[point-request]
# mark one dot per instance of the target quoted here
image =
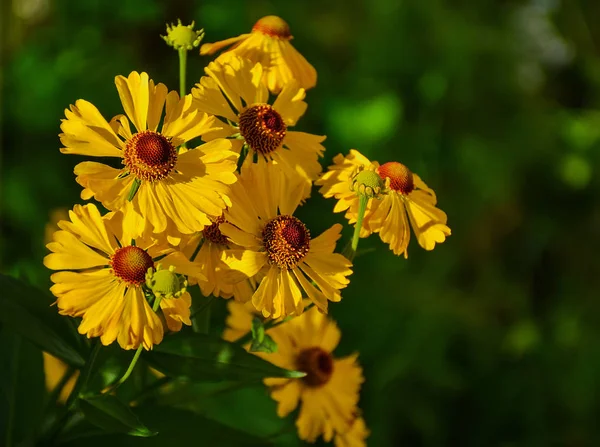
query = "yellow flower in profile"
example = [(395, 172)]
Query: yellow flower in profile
[(102, 278), (409, 199), (269, 43), (232, 90), (329, 392), (205, 250), (277, 250), (177, 190)]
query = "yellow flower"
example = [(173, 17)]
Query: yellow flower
[(269, 44), (177, 191), (407, 195), (54, 371), (355, 437), (277, 249), (328, 393), (205, 250), (103, 276), (232, 91)]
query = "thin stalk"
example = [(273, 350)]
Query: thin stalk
[(362, 207), (182, 68)]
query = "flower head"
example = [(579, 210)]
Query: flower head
[(168, 189), (205, 250), (404, 194), (183, 37), (269, 43), (102, 279), (232, 91), (329, 392), (276, 249)]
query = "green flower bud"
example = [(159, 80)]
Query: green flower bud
[(166, 283), (183, 37)]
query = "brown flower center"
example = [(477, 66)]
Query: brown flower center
[(287, 241), (149, 156), (213, 234), (273, 26), (317, 364), (262, 127), (401, 179), (131, 264)]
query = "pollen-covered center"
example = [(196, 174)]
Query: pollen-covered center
[(273, 26), (149, 156), (262, 127), (287, 241), (401, 179), (213, 234), (131, 264), (317, 364)]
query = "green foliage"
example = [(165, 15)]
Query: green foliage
[(202, 357), (113, 416), (28, 312)]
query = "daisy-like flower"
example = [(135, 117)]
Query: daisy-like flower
[(406, 199), (277, 250), (269, 43), (205, 250), (329, 392), (103, 276), (232, 90), (171, 190)]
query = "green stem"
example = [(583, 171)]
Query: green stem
[(122, 380), (362, 207), (268, 325), (182, 66)]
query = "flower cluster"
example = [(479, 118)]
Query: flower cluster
[(204, 191)]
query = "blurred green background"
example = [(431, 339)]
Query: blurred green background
[(492, 339)]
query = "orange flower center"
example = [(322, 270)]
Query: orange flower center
[(263, 128), (273, 26), (317, 364), (131, 264), (401, 179), (287, 241), (213, 234), (149, 156)]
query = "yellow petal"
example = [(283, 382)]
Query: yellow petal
[(177, 311), (247, 262), (211, 48), (86, 132), (69, 253), (290, 104), (135, 97)]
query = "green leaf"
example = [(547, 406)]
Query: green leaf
[(174, 426), (202, 357), (27, 311), (113, 416), (268, 345), (261, 342)]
